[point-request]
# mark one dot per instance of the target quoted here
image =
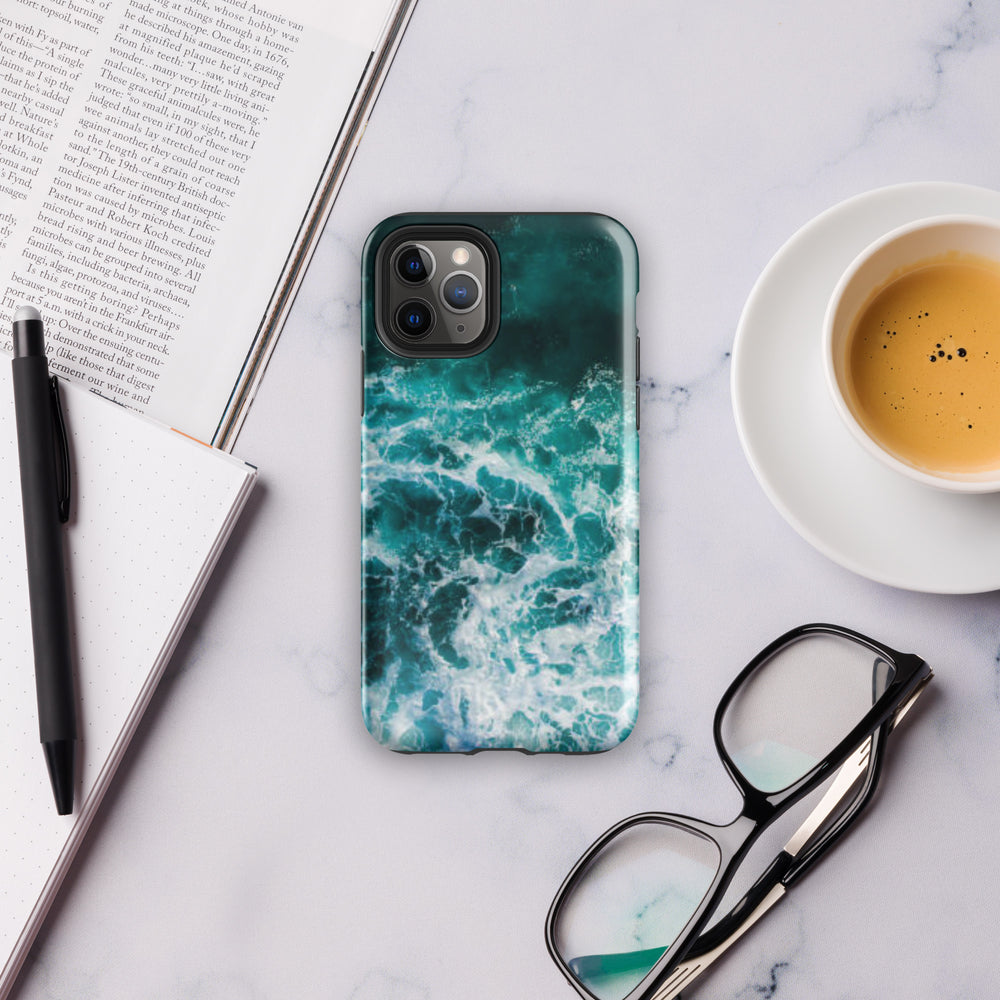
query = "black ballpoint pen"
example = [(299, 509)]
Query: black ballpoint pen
[(46, 505)]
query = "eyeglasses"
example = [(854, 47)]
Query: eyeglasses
[(646, 910)]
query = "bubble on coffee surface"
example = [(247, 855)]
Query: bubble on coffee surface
[(960, 352)]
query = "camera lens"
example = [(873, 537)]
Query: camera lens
[(461, 291), (414, 264), (414, 319)]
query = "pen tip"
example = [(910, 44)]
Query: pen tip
[(59, 757), (25, 313)]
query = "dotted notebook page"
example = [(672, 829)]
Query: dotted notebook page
[(150, 512)]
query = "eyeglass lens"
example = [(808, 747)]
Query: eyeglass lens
[(793, 710), (632, 903)]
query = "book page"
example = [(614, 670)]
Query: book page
[(156, 159)]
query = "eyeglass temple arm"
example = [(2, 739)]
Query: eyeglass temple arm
[(866, 761), (789, 866), (693, 966)]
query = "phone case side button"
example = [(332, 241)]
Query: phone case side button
[(636, 379), (362, 381)]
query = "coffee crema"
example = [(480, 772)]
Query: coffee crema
[(924, 365)]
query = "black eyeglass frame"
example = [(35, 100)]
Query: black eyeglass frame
[(760, 810)]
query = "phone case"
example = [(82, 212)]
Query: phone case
[(500, 523)]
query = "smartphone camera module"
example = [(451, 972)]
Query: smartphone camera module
[(461, 291), (415, 264), (415, 319), (425, 312)]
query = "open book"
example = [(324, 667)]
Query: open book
[(151, 511), (166, 167)]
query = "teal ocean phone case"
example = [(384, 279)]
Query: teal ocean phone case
[(500, 522)]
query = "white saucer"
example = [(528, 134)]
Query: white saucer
[(861, 515)]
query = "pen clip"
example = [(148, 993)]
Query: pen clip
[(61, 444)]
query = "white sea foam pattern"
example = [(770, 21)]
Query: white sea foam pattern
[(501, 539)]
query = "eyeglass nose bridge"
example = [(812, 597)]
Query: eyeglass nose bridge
[(758, 807)]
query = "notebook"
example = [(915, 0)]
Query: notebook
[(151, 512)]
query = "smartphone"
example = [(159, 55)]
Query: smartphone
[(500, 474)]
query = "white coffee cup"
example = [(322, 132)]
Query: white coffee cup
[(939, 239)]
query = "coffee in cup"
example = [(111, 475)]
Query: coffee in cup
[(913, 351)]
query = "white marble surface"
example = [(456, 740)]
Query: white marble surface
[(259, 845)]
